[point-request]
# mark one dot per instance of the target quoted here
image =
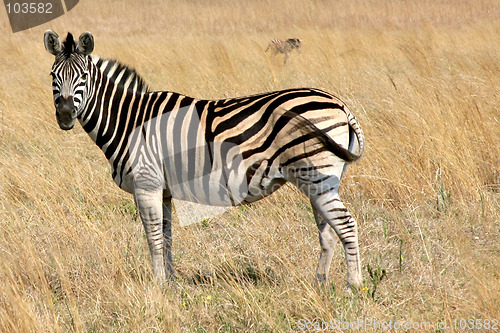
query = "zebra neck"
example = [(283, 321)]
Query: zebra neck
[(113, 99)]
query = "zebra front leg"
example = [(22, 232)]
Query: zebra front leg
[(327, 240), (149, 204), (286, 58), (167, 236)]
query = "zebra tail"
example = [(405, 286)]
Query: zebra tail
[(346, 154), (305, 126), (355, 128)]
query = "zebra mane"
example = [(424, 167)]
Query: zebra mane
[(68, 46), (137, 83)]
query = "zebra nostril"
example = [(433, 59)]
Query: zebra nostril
[(65, 106)]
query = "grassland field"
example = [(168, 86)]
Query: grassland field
[(423, 79)]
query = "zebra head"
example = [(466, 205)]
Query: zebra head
[(294, 43), (70, 75)]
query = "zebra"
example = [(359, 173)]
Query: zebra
[(163, 145), (284, 46)]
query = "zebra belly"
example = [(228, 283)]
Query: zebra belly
[(224, 185), (211, 173)]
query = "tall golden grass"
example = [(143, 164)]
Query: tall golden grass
[(422, 77)]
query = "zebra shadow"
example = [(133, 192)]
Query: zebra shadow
[(240, 272)]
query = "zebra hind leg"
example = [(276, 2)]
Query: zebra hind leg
[(333, 211), (330, 213), (327, 240)]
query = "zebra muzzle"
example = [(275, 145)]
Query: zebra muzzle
[(66, 112)]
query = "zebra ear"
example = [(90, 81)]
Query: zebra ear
[(85, 44), (52, 42)]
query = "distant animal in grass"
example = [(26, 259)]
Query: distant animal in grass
[(284, 46)]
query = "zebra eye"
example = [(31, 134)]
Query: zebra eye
[(84, 76)]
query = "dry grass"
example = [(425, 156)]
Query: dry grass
[(423, 78)]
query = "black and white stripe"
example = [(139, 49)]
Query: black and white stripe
[(284, 46), (163, 145)]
